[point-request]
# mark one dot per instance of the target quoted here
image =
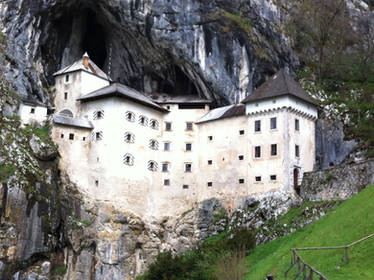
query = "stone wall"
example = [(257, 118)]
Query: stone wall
[(341, 182)]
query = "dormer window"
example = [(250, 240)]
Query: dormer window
[(130, 116), (143, 120), (153, 124)]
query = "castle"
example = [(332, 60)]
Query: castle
[(159, 155)]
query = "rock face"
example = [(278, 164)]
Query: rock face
[(217, 49), (341, 182)]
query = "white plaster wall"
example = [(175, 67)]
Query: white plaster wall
[(40, 114), (91, 82), (281, 102)]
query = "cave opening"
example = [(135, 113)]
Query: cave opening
[(178, 84), (94, 39)]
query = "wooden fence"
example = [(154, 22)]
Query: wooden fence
[(307, 271)]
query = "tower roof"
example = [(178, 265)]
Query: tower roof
[(79, 65), (280, 84)]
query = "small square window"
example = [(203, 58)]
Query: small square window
[(32, 111), (168, 126), (257, 151), (189, 126), (188, 147), (241, 132), (210, 162), (273, 177), (273, 151), (71, 136), (210, 138), (258, 178), (65, 95), (62, 136), (167, 182), (185, 186), (297, 125), (210, 184), (273, 123), (166, 146), (165, 167), (241, 181), (297, 151), (188, 167), (241, 157), (257, 126)]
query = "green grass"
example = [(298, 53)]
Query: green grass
[(348, 222)]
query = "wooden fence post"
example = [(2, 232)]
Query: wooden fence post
[(311, 274)]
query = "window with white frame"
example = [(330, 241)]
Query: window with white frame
[(128, 159), (166, 146), (129, 137), (130, 116), (189, 126), (143, 120), (273, 150), (273, 123), (297, 125), (257, 126), (153, 144), (257, 151), (97, 136), (98, 114), (188, 147), (297, 151), (152, 165), (187, 167), (154, 124), (165, 167)]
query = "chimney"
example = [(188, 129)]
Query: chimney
[(85, 60)]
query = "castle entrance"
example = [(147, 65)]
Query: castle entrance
[(296, 180)]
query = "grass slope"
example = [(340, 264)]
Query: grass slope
[(348, 222)]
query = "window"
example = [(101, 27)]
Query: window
[(210, 184), (152, 165), (98, 136), (71, 136), (297, 125), (84, 138), (166, 182), (185, 186), (32, 111), (153, 124), (257, 126), (258, 178), (273, 151), (189, 126), (97, 183), (241, 157), (210, 162), (257, 151), (188, 147), (67, 78), (153, 144), (130, 116), (210, 138), (168, 107), (168, 126), (128, 159), (65, 95), (166, 146), (99, 114), (187, 167), (241, 181), (273, 177), (297, 151), (143, 120), (273, 123), (62, 135), (129, 137), (165, 167), (241, 132)]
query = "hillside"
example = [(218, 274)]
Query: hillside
[(348, 222)]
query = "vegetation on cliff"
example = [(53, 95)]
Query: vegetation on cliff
[(348, 222)]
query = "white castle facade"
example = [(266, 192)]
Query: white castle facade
[(160, 155)]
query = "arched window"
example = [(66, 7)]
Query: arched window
[(143, 120), (66, 113), (98, 114), (128, 159), (153, 144), (130, 116), (153, 124), (129, 137), (97, 136), (152, 165)]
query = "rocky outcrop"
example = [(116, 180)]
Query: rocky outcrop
[(217, 49), (340, 182)]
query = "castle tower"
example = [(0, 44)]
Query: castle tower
[(74, 81), (281, 120)]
